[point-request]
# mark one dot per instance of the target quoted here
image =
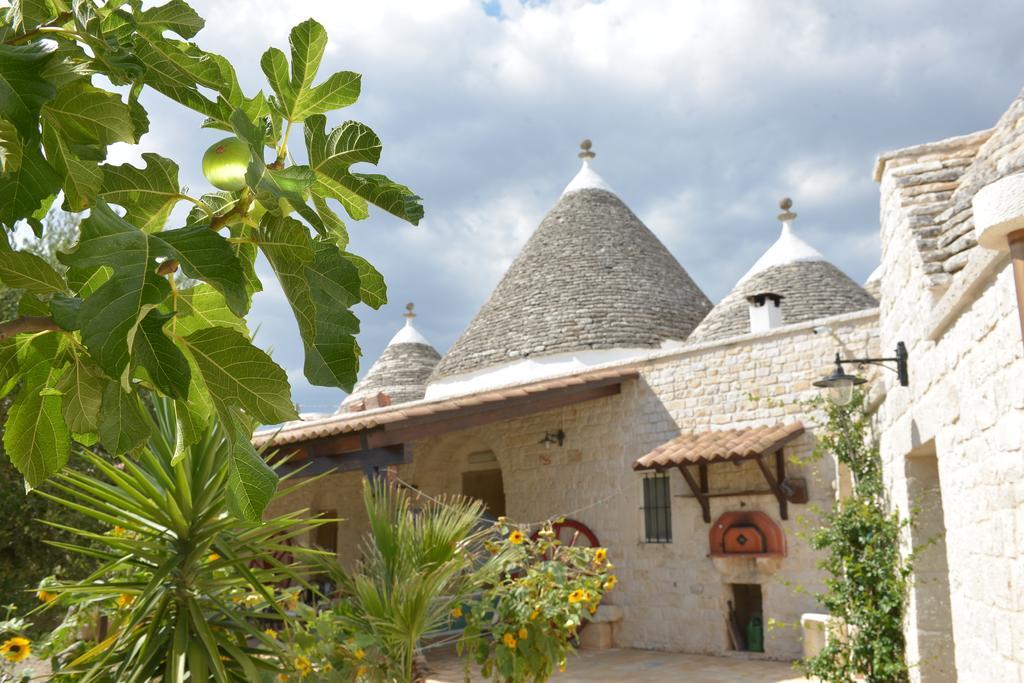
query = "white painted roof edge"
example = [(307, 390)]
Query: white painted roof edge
[(875, 276), (527, 370), (677, 349), (409, 335), (586, 179), (787, 249)]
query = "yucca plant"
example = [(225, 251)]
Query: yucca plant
[(186, 587)]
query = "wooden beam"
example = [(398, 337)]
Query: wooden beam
[(774, 486), (705, 504), (366, 460), (780, 476), (498, 401), (400, 432), (703, 469), (733, 494)]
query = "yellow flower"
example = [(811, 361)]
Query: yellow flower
[(117, 531), (303, 666), (592, 609), (561, 666), (270, 633), (600, 555), (16, 649), (46, 596), (516, 537), (360, 672), (359, 654), (509, 640), (282, 677), (328, 668), (577, 595), (125, 600), (534, 614), (456, 613), (213, 557), (610, 582), (523, 634)]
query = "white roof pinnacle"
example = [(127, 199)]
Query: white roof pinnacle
[(409, 334), (787, 249), (587, 178)]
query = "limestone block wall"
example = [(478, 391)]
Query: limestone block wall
[(965, 404), (673, 595)]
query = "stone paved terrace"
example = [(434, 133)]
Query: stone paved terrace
[(644, 666)]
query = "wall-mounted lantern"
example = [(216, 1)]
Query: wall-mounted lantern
[(839, 385), (557, 438)]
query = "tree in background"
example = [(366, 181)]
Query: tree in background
[(88, 341), (24, 560), (144, 311)]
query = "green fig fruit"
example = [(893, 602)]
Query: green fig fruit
[(225, 163)]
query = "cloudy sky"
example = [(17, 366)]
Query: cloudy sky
[(702, 113)]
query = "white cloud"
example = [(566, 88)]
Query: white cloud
[(820, 182), (703, 114)]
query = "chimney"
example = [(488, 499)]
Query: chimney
[(765, 311)]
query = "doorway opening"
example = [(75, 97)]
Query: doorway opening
[(485, 484), (931, 611), (745, 617)]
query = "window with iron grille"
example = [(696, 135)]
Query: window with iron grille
[(657, 508)]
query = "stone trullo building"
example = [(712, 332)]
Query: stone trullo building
[(597, 381)]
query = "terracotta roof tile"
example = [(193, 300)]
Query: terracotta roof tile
[(713, 446), (439, 409)]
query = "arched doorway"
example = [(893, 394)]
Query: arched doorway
[(481, 479)]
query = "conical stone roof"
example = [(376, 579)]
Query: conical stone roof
[(811, 287), (400, 373), (591, 277)]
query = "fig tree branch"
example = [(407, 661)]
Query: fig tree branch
[(27, 324), (57, 21)]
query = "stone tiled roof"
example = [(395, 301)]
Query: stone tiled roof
[(400, 374), (811, 290), (933, 184), (720, 445), (592, 276), (936, 183)]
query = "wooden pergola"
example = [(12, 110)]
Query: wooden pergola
[(374, 439)]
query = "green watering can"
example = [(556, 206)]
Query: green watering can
[(755, 635)]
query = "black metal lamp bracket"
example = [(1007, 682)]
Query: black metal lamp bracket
[(900, 359)]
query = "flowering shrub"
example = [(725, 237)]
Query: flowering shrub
[(428, 565), (520, 627), (14, 646)]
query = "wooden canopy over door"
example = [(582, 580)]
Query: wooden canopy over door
[(691, 453)]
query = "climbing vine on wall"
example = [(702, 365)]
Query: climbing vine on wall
[(867, 576)]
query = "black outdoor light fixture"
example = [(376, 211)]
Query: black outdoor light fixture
[(553, 438), (840, 384)]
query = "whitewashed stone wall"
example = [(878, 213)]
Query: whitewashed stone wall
[(672, 594), (965, 403)]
